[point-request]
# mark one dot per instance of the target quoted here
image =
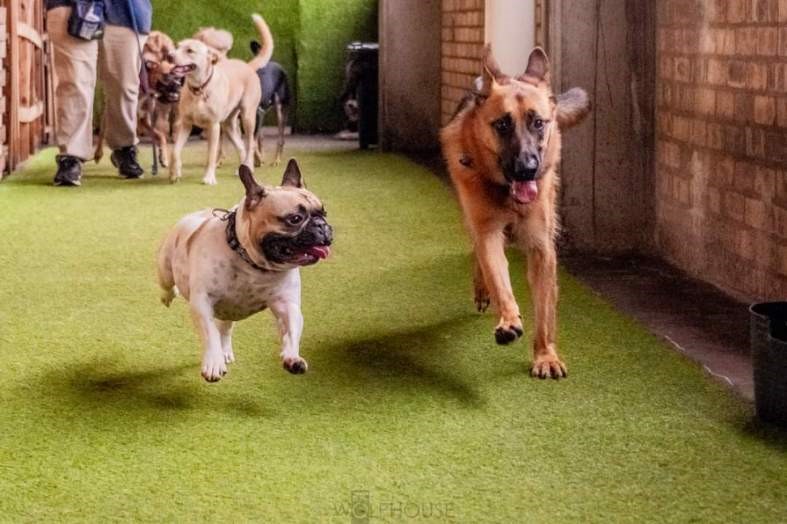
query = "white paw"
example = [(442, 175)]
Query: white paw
[(213, 367), (229, 356), (209, 179), (173, 177)]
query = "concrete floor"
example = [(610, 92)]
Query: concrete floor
[(696, 318)]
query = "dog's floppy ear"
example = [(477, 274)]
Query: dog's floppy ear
[(214, 55), (491, 73), (292, 175), (572, 107), (537, 69), (254, 192)]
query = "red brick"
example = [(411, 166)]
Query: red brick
[(714, 200), (783, 42), (736, 11), (767, 39), (765, 110), (724, 104), (746, 41), (706, 101), (782, 10), (736, 76), (717, 71), (757, 76), (781, 112), (756, 214), (734, 205), (780, 221)]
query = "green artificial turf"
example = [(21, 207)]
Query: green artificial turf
[(409, 409)]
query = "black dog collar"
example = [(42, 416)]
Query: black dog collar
[(232, 239), (201, 89)]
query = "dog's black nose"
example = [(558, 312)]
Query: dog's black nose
[(526, 167)]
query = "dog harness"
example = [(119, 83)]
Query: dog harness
[(232, 238)]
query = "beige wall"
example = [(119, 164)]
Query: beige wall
[(721, 195)]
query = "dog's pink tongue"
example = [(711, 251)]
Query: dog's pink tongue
[(320, 252), (524, 192)]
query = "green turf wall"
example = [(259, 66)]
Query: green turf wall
[(310, 37)]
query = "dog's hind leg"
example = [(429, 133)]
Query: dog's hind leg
[(166, 279), (214, 134), (231, 128), (213, 364), (248, 116), (281, 120), (542, 275), (225, 332)]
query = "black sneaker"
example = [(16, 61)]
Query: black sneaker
[(125, 159), (69, 171)]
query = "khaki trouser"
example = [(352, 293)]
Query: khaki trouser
[(117, 56)]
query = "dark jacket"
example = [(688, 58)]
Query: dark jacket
[(116, 12)]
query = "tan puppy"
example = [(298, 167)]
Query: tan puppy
[(233, 266), (154, 106), (217, 92), (503, 151)]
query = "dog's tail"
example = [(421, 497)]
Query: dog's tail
[(266, 50), (572, 107)]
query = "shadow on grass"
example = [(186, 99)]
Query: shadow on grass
[(415, 361), (769, 434), (151, 394)]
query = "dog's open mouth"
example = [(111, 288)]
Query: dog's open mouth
[(183, 70), (524, 192), (310, 255)]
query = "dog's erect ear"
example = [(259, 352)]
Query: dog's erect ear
[(254, 192), (491, 73), (292, 175), (572, 107), (537, 67)]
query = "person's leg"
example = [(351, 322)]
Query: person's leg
[(119, 65), (75, 75)]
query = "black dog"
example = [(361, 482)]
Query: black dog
[(276, 92)]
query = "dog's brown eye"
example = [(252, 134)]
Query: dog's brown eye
[(295, 219), (503, 125), (538, 124)]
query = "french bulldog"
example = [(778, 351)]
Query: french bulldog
[(230, 265)]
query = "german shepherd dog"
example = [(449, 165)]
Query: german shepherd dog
[(503, 150)]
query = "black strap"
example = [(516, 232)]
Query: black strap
[(232, 239)]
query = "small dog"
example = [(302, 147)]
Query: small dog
[(232, 267), (503, 150), (219, 90), (156, 99), (276, 92)]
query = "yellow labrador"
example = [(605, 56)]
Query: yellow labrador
[(218, 91)]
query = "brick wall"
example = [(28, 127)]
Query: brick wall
[(721, 142), (462, 40)]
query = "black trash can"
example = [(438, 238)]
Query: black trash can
[(769, 360), (362, 67)]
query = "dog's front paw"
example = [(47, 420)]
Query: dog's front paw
[(481, 299), (209, 179), (508, 331), (295, 365), (229, 357), (174, 177), (213, 367), (548, 365)]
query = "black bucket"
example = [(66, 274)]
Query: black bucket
[(769, 360)]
